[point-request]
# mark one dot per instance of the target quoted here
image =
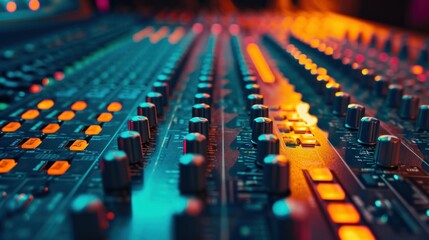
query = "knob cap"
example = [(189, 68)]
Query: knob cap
[(192, 177), (409, 107), (261, 125), (115, 171), (163, 88), (130, 142), (387, 151), (381, 85), (341, 102), (203, 98), (195, 143), (88, 217), (253, 99), (199, 125), (163, 78), (258, 110), (148, 110), (394, 95), (205, 79), (267, 144), (368, 130), (205, 88), (423, 118), (157, 99), (290, 220), (354, 114), (201, 110), (276, 174), (249, 80), (252, 89), (330, 90), (140, 124), (188, 223)]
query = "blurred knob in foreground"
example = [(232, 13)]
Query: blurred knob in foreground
[(276, 174), (130, 142), (187, 224), (192, 177), (290, 220), (115, 171)]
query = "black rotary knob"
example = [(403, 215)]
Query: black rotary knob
[(341, 102), (394, 95), (409, 107), (253, 99), (267, 144), (140, 124), (148, 110), (368, 130), (201, 110), (163, 88), (157, 99), (261, 125), (187, 224), (276, 174), (88, 216), (205, 88), (258, 110), (290, 220), (203, 98), (387, 151), (354, 114), (252, 89), (195, 143), (115, 171), (130, 142), (381, 85), (199, 125), (192, 177), (423, 118), (330, 90)]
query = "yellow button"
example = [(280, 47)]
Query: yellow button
[(79, 145), (79, 106), (6, 165), (93, 130), (343, 213), (46, 104), (31, 143), (51, 128), (30, 114), (330, 191), (114, 107), (355, 233), (11, 127), (66, 116), (105, 117), (59, 168), (320, 174)]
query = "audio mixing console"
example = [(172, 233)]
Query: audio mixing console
[(215, 127)]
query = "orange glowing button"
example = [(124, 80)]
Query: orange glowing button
[(58, 168), (51, 128), (355, 233), (31, 143), (105, 117), (330, 191), (6, 165), (11, 7), (11, 127), (30, 114), (343, 213), (79, 106), (93, 130), (114, 107), (79, 145), (260, 63), (320, 174), (45, 104), (66, 116)]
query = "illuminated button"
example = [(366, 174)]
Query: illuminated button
[(93, 130), (79, 145), (114, 107), (6, 165), (31, 143), (355, 233), (11, 127), (79, 106), (66, 116), (105, 117), (320, 174), (45, 104), (51, 128), (30, 114), (343, 213), (308, 140), (58, 168), (330, 191)]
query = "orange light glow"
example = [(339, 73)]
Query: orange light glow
[(137, 37), (321, 174), (417, 69), (260, 63), (11, 7), (34, 5), (331, 191), (178, 34), (160, 34), (355, 233), (343, 213), (302, 110)]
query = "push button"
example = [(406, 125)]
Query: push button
[(45, 104), (11, 127), (58, 168), (79, 106), (30, 114), (79, 145), (51, 128), (355, 233), (343, 213), (114, 107), (31, 143), (66, 116), (6, 165), (93, 130), (320, 174), (330, 191), (105, 117)]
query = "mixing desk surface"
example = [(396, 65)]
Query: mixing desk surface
[(256, 126)]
